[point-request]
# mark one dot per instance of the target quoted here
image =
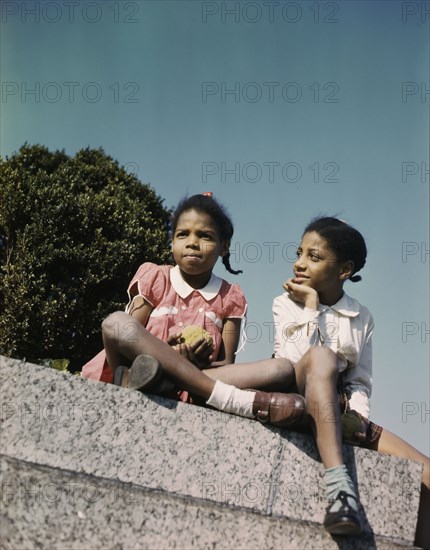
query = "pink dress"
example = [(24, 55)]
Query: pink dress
[(176, 305)]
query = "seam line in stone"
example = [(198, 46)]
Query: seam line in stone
[(276, 472)]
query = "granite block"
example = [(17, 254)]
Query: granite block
[(388, 487), (162, 447), (45, 507), (60, 420)]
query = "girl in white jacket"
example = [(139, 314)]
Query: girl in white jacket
[(327, 337)]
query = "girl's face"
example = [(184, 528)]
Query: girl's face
[(318, 267), (196, 245)]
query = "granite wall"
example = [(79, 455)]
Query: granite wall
[(89, 465)]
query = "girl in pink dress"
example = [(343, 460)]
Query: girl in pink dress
[(163, 300)]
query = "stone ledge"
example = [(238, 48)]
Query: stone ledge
[(67, 423), (50, 508)]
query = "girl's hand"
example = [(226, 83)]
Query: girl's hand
[(198, 353), (354, 427), (302, 294), (173, 340)]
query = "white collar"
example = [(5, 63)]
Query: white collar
[(346, 306), (184, 289)]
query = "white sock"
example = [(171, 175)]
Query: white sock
[(230, 399)]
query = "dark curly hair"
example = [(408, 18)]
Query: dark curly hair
[(217, 212), (346, 242)]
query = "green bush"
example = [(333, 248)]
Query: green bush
[(73, 230)]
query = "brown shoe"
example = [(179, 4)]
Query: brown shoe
[(279, 409)]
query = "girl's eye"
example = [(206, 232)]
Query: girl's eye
[(314, 258), (180, 234), (204, 235)]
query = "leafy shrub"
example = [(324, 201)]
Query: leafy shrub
[(73, 230)]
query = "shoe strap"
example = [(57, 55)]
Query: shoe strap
[(263, 412), (343, 497)]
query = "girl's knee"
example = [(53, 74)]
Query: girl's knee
[(321, 361), (320, 353), (112, 325)]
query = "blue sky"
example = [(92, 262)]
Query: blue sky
[(284, 110)]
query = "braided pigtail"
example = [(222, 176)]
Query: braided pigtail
[(226, 262)]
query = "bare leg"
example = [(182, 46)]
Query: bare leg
[(316, 378), (126, 337), (395, 446), (269, 375)]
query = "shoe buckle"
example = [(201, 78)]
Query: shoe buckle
[(263, 416)]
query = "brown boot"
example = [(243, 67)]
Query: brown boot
[(279, 409)]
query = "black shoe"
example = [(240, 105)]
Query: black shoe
[(145, 374), (120, 376), (345, 521)]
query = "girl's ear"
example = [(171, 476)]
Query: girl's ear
[(225, 247), (346, 270)]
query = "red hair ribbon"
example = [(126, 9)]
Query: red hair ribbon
[(208, 194)]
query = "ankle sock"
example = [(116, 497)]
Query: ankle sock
[(230, 399), (338, 479)]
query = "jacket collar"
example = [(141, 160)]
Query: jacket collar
[(346, 306), (184, 289)]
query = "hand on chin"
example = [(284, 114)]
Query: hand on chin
[(300, 280)]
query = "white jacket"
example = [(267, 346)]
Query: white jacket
[(345, 327)]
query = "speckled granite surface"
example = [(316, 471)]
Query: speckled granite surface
[(172, 453), (57, 510)]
